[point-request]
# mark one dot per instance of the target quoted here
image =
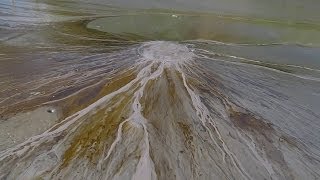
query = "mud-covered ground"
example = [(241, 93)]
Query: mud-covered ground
[(98, 94)]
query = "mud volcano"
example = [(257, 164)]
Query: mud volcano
[(140, 95)]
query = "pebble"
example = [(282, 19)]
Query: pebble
[(51, 110)]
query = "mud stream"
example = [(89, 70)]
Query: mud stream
[(104, 92)]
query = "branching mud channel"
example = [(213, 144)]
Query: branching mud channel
[(92, 96)]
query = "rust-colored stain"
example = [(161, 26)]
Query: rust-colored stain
[(186, 130), (148, 100), (93, 136), (87, 97), (171, 86)]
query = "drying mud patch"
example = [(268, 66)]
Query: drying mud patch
[(249, 122), (21, 126), (265, 138)]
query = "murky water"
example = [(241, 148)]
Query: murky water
[(159, 89)]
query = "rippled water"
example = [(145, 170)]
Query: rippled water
[(159, 90)]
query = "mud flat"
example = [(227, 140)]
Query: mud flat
[(175, 112), (22, 126)]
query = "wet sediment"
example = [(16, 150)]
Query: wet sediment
[(171, 116)]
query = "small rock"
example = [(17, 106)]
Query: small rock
[(51, 110), (281, 139), (35, 93)]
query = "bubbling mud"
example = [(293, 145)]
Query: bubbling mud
[(166, 52)]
